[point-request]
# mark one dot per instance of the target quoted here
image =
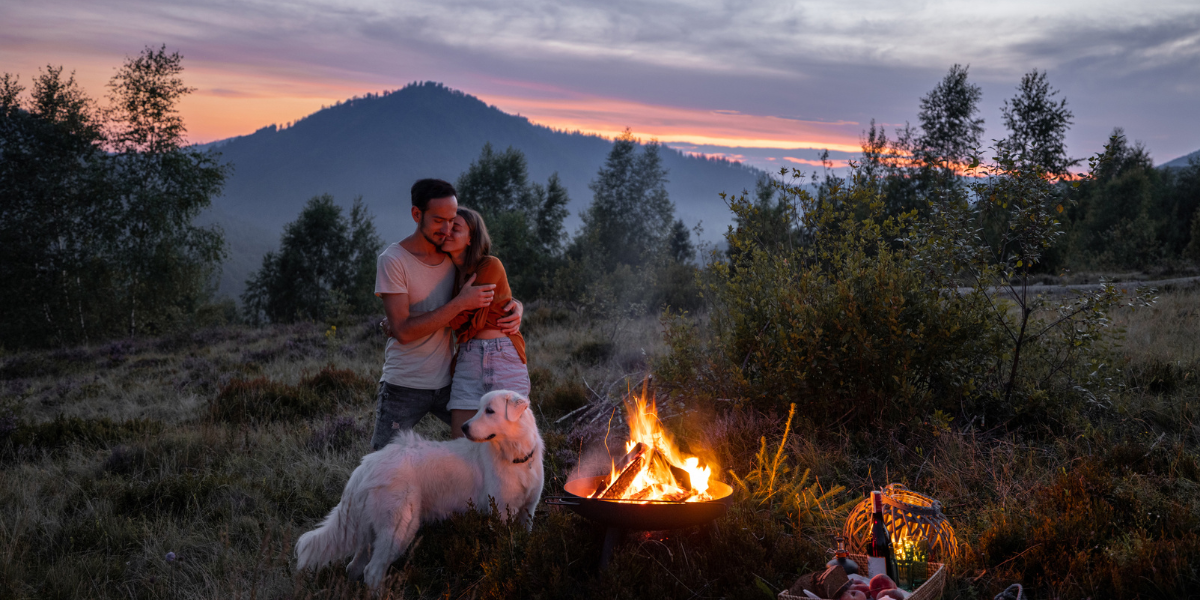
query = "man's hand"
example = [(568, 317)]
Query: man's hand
[(512, 323), (475, 296)]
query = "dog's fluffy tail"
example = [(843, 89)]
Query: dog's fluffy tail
[(336, 537)]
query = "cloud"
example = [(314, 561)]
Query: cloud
[(718, 66)]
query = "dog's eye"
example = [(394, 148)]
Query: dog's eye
[(490, 411)]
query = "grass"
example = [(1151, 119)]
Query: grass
[(224, 445)]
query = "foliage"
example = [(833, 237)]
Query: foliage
[(782, 489), (950, 131), (851, 323), (1037, 126), (631, 253), (525, 220), (630, 219), (1128, 214), (97, 219), (324, 269)]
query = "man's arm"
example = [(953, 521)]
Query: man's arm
[(406, 328), (512, 323)]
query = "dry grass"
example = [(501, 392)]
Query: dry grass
[(89, 507)]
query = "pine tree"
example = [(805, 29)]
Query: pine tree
[(325, 266), (524, 219), (630, 219)]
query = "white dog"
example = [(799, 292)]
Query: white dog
[(413, 480)]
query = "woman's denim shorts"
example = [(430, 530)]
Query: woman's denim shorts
[(483, 366)]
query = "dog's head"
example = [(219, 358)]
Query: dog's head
[(499, 416)]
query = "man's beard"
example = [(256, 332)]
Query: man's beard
[(437, 245)]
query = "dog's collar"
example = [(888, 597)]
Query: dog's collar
[(517, 461)]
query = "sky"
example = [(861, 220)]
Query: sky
[(768, 83)]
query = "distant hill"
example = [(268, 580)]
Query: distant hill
[(1182, 161), (376, 146)]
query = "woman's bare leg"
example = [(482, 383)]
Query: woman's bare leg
[(457, 418)]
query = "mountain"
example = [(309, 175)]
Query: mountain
[(377, 146), (1182, 161)]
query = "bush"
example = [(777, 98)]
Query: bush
[(261, 400), (344, 385), (850, 323)]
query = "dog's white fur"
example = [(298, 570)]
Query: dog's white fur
[(413, 480)]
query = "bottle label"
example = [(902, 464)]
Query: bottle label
[(876, 565)]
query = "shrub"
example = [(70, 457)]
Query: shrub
[(261, 399), (344, 385), (852, 322)]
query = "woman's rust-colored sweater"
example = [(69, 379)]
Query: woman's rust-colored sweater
[(470, 322)]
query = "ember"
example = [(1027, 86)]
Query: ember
[(652, 467)]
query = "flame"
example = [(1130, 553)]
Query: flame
[(660, 472)]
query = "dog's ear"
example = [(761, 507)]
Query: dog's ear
[(515, 405)]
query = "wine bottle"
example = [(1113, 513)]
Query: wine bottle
[(841, 557), (879, 550)]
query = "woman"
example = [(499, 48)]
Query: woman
[(487, 358)]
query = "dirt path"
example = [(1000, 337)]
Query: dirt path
[(1059, 290)]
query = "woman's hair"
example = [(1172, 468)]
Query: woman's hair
[(479, 246)]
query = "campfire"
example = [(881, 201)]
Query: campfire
[(653, 468)]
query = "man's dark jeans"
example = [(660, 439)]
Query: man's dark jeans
[(401, 408)]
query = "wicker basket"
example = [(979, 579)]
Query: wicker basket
[(907, 515), (930, 590)]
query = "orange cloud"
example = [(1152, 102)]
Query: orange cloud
[(835, 163), (610, 116)]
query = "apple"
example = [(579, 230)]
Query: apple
[(881, 582)]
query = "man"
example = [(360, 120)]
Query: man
[(416, 282)]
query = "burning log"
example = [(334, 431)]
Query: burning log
[(680, 496), (621, 484), (622, 467), (682, 479), (644, 493)]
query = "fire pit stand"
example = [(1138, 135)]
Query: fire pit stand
[(619, 516)]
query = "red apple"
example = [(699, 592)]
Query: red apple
[(881, 582)]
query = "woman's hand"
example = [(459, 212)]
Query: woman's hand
[(475, 296), (511, 323)]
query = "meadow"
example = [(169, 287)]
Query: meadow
[(185, 466)]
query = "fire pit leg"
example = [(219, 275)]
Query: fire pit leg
[(612, 535)]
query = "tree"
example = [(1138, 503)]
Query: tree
[(1037, 126), (950, 131), (96, 223), (325, 267), (1118, 218), (630, 219), (525, 219), (162, 186)]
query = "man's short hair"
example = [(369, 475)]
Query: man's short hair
[(427, 189)]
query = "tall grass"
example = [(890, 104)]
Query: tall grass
[(112, 456)]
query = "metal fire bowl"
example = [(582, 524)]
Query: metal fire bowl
[(644, 515)]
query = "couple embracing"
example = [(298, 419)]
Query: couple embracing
[(440, 284)]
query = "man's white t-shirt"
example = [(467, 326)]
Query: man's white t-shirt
[(425, 363)]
